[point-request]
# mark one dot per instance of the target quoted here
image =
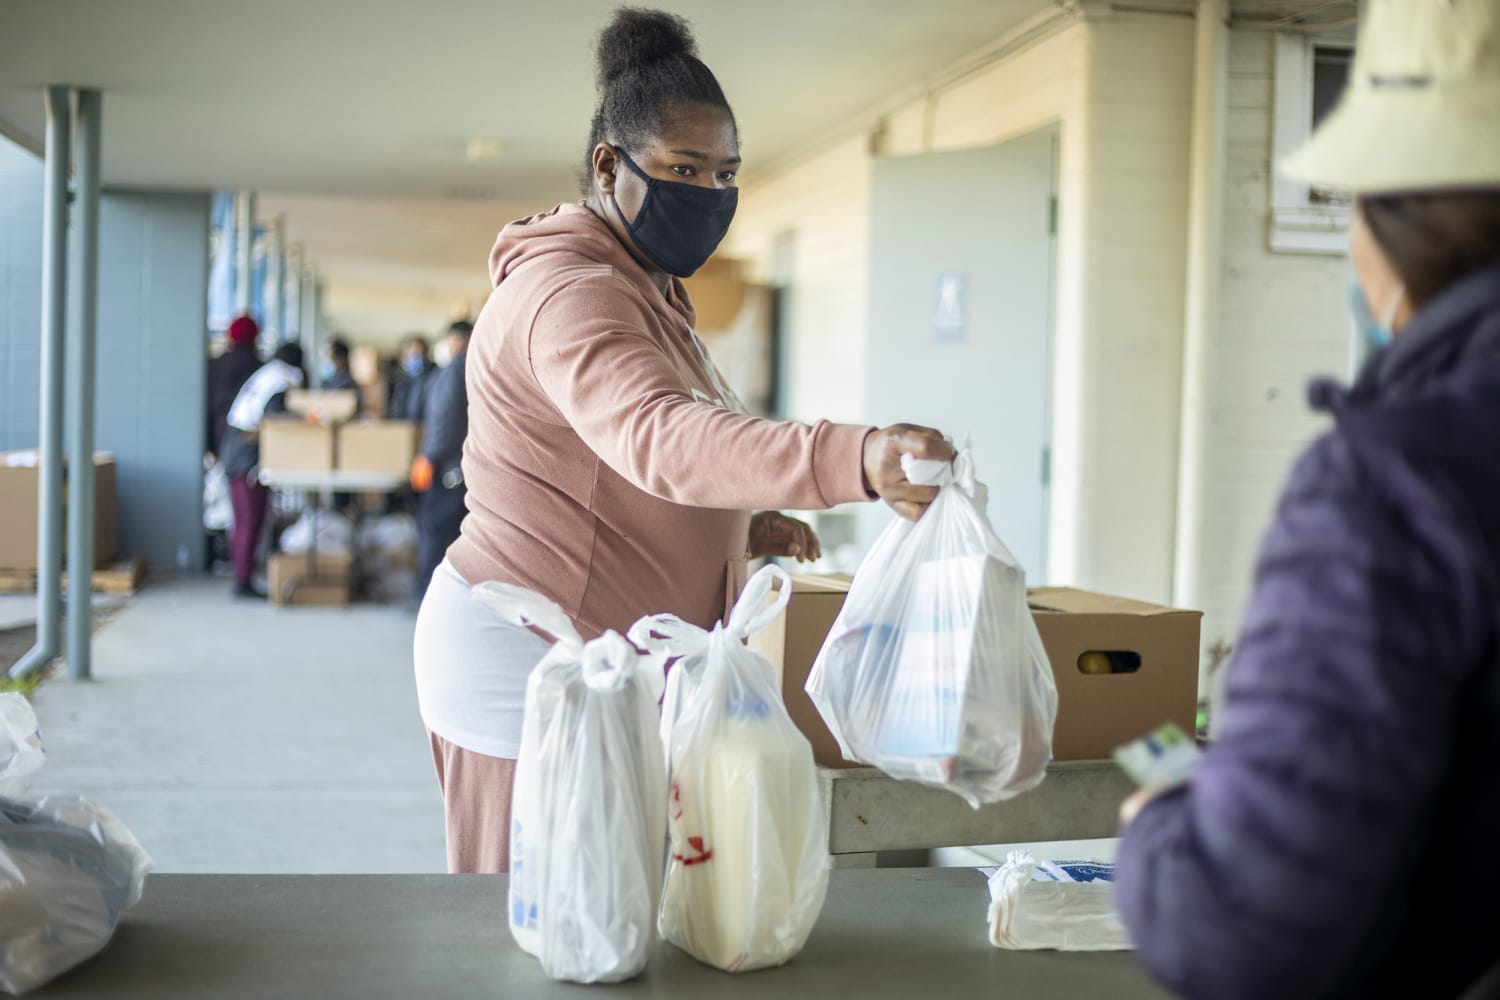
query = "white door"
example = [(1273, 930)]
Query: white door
[(961, 317)]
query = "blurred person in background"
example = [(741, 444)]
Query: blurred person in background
[(1336, 838), (437, 472), (264, 394), (335, 373), (227, 374), (408, 396)]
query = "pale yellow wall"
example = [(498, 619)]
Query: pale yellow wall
[(1131, 291), (1119, 271), (1284, 320), (826, 199)]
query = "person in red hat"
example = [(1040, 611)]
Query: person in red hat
[(227, 375)]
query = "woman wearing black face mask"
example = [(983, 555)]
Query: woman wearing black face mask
[(608, 467)]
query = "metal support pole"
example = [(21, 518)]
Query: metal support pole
[(50, 447), (294, 300), (244, 251), (308, 301), (276, 280), (82, 342)]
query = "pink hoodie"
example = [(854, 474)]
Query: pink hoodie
[(606, 466)]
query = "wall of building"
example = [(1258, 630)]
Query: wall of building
[(153, 274), (20, 295), (1284, 321), (153, 301), (1120, 90)]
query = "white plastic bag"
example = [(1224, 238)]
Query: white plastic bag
[(934, 671), (748, 868), (68, 867), (1060, 905), (588, 809), (335, 534)]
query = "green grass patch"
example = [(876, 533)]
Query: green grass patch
[(27, 685)]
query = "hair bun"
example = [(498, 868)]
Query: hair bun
[(637, 37)]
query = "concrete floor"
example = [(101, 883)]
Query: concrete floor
[(233, 736)]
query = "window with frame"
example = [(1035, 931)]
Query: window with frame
[(1311, 74)]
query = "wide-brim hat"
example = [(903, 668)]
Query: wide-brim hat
[(1422, 108)]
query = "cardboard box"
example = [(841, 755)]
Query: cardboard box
[(1150, 650), (289, 583), (791, 643), (20, 495), (326, 406), (386, 447), (288, 445)]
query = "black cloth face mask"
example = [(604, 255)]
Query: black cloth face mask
[(679, 225)]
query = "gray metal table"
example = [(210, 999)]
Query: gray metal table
[(883, 935), (869, 812)]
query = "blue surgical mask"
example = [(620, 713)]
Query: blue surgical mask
[(413, 366), (1377, 333), (326, 371)]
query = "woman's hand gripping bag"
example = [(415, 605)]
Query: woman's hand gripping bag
[(934, 671), (588, 816), (748, 864)]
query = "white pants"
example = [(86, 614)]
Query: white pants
[(471, 668)]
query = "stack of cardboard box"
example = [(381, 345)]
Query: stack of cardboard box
[(20, 496), (323, 435)]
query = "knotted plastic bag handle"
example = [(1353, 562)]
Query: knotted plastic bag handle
[(751, 612), (610, 662), (933, 472), (520, 606)]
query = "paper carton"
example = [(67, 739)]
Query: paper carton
[(324, 406), (1151, 653), (289, 445), (20, 494), (791, 643), (288, 580), (934, 717), (386, 447), (1097, 711)]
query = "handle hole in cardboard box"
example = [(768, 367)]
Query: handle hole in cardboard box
[(1108, 661)]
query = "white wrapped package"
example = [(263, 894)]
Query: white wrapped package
[(934, 671), (1058, 905), (588, 809), (68, 868), (748, 865)]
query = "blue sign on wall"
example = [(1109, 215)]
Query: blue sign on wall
[(950, 308)]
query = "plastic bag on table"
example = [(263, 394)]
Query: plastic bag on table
[(68, 868), (934, 671), (1059, 905), (748, 867), (588, 809)]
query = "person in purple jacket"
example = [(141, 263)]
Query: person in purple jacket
[(1341, 836)]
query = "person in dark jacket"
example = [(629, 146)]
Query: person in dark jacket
[(227, 374), (1336, 839), (437, 474), (408, 399), (336, 373)]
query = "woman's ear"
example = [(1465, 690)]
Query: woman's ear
[(606, 165)]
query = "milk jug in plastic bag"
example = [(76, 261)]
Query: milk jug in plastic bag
[(588, 819), (934, 671), (748, 869)]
